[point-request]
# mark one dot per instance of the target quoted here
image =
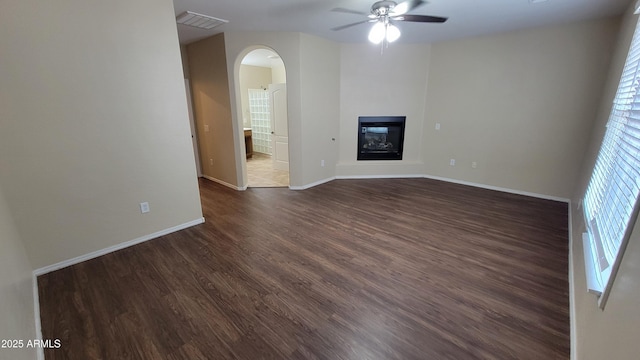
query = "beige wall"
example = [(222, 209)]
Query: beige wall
[(612, 333), (319, 84), (94, 121), (520, 104), (527, 123), (252, 77), (212, 108), (393, 83), (16, 288), (278, 73)]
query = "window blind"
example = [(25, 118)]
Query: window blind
[(610, 201)]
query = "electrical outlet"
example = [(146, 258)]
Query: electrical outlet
[(322, 163), (144, 207), (437, 126), (206, 128), (474, 164), (210, 161), (452, 162)]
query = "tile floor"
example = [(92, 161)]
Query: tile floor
[(262, 174)]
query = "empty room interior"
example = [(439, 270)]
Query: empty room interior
[(341, 179)]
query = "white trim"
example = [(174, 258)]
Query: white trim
[(36, 314), (126, 244), (394, 176), (593, 285), (234, 187), (497, 188), (316, 183), (572, 295), (193, 128)]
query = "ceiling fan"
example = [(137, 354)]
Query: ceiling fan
[(383, 14)]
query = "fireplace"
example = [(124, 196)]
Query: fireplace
[(380, 137)]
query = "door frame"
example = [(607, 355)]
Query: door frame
[(192, 126), (240, 153)]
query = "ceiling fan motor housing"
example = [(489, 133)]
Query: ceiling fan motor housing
[(382, 8)]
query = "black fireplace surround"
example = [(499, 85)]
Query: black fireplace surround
[(380, 137)]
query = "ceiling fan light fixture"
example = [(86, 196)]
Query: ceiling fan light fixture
[(384, 13), (393, 33), (382, 31), (377, 33)]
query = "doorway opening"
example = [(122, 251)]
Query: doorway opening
[(263, 97)]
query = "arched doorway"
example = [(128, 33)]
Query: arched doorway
[(263, 101)]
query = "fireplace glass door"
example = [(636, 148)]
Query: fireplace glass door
[(380, 137)]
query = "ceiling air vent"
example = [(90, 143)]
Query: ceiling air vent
[(198, 20)]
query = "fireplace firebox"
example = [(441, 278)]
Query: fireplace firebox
[(380, 137)]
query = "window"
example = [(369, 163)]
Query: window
[(611, 200)]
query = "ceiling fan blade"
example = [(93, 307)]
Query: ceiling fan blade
[(406, 6), (348, 11), (420, 18), (349, 25)]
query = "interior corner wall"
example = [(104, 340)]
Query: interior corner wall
[(380, 84), (610, 333), (16, 288), (94, 121), (519, 104), (212, 108), (252, 77), (320, 101)]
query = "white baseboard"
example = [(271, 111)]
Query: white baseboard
[(316, 183), (126, 244), (497, 188), (344, 177), (406, 176), (234, 187), (400, 176)]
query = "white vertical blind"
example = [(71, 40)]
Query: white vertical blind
[(610, 199)]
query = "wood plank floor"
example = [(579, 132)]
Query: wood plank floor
[(352, 269)]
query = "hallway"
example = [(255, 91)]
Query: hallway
[(262, 174)]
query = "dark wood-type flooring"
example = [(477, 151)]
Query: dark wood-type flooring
[(352, 269)]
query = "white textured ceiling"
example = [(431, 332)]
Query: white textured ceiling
[(466, 17)]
